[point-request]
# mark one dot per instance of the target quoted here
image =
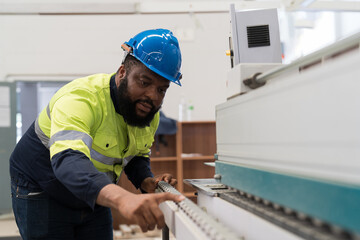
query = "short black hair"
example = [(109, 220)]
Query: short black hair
[(129, 62)]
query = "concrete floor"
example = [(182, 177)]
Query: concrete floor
[(135, 233), (9, 231), (8, 228)]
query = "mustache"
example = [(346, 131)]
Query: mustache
[(148, 101)]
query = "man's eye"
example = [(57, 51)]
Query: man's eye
[(143, 83)]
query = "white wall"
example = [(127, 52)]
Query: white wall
[(57, 45), (54, 46)]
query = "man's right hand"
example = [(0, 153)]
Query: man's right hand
[(140, 209)]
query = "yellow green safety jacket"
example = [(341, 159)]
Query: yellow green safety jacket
[(79, 143)]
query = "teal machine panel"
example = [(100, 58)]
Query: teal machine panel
[(7, 141), (331, 202)]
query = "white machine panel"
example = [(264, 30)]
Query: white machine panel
[(306, 124)]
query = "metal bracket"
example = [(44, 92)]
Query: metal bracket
[(252, 82)]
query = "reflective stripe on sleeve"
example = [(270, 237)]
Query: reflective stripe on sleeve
[(104, 159), (41, 135), (127, 160), (76, 135), (71, 135), (48, 111)]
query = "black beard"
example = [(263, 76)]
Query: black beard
[(127, 108)]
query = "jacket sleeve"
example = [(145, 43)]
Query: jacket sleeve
[(137, 170), (76, 172), (72, 121)]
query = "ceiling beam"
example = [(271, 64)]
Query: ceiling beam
[(163, 7), (66, 8), (203, 6)]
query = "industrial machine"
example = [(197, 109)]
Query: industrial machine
[(288, 149), (287, 155)]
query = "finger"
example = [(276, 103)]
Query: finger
[(173, 182), (159, 216), (151, 227), (157, 181), (160, 178), (150, 219), (152, 185), (142, 223), (161, 197), (167, 178), (152, 181)]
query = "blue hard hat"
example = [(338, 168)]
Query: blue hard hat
[(158, 50)]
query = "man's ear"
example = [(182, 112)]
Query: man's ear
[(121, 72), (120, 75)]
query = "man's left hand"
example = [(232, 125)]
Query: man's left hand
[(149, 184)]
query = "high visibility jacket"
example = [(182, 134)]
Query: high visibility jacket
[(81, 120), (81, 116)]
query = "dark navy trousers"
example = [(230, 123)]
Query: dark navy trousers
[(38, 216)]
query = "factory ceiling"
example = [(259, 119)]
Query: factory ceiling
[(13, 7)]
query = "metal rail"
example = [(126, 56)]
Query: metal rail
[(319, 56), (208, 226), (298, 223)]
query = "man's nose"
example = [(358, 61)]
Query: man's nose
[(152, 94)]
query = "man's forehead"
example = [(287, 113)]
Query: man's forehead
[(147, 73)]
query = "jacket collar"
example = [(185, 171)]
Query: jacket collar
[(113, 93)]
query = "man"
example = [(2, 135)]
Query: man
[(64, 168)]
